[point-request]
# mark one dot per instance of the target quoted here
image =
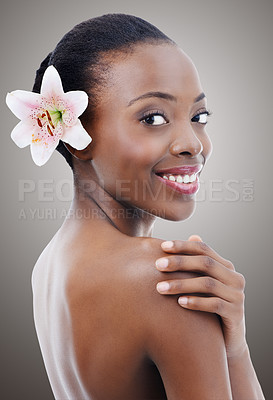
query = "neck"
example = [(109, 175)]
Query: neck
[(95, 202)]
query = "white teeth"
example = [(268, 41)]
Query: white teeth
[(192, 178), (179, 179), (186, 179)]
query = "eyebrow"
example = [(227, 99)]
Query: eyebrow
[(162, 95), (200, 97), (147, 95)]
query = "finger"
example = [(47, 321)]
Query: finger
[(208, 304), (206, 285), (203, 264), (195, 238), (194, 248)]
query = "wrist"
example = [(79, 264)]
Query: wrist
[(238, 353), (235, 341)]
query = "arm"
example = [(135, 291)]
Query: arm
[(244, 382), (225, 288), (187, 348)]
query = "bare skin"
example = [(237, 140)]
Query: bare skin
[(104, 330), (109, 327), (224, 295)]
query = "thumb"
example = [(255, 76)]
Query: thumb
[(195, 238)]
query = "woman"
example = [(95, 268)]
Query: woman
[(104, 329)]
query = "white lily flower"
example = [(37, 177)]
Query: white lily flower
[(48, 117)]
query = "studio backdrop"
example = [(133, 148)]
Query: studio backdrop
[(230, 42)]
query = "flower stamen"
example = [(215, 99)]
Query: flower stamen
[(49, 119), (39, 122), (49, 131)]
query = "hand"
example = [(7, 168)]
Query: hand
[(219, 282)]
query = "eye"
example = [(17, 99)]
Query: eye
[(201, 117), (154, 119)]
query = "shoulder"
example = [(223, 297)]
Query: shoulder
[(187, 346), (115, 282), (140, 266), (122, 269), (118, 261)]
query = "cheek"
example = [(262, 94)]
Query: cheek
[(143, 154), (124, 152)]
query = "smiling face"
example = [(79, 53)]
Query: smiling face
[(149, 132)]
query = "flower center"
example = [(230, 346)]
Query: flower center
[(50, 119)]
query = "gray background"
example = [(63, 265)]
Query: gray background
[(231, 45)]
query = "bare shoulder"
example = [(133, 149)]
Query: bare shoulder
[(187, 346), (141, 267), (110, 288)]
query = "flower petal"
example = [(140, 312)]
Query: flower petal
[(40, 153), (22, 102), (76, 136), (21, 134), (51, 83), (69, 118), (77, 100)]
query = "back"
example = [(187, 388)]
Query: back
[(89, 318), (100, 320)]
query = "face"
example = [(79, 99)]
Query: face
[(149, 139)]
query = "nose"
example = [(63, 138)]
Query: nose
[(186, 143)]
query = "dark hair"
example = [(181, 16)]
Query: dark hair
[(78, 56)]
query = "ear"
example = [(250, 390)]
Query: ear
[(84, 154)]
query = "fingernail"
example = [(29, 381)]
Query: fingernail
[(162, 263), (183, 301), (162, 286), (167, 245)]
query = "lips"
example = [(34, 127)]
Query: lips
[(183, 179), (181, 170)]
